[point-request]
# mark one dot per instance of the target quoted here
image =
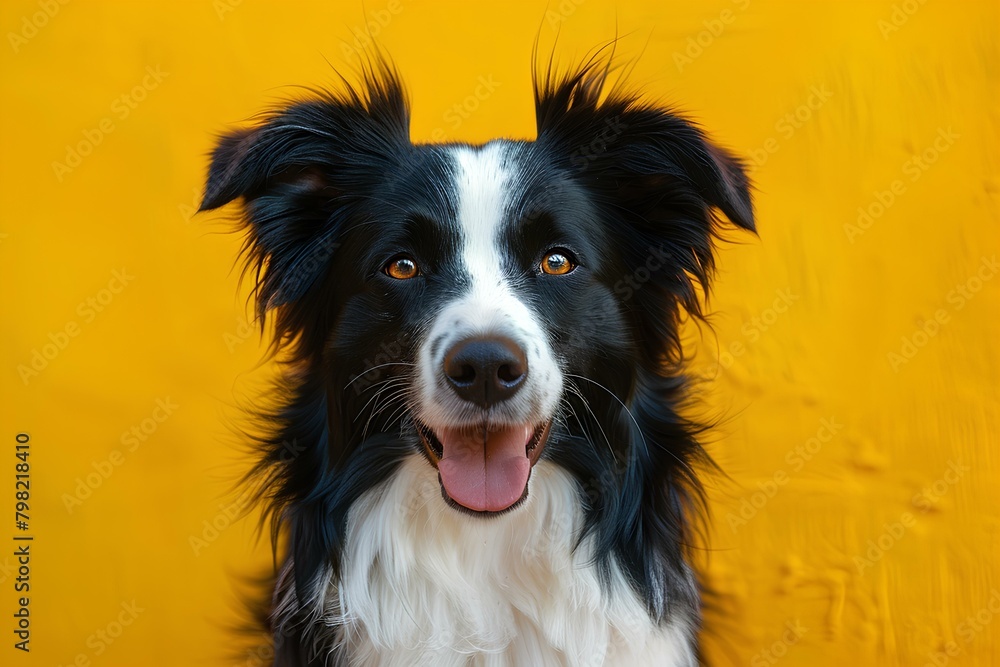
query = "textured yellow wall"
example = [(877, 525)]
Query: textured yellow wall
[(854, 354)]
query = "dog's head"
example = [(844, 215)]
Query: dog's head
[(484, 306)]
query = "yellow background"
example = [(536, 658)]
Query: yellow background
[(886, 80)]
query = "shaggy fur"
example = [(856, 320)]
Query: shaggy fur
[(383, 566)]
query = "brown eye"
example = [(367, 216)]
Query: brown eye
[(402, 268), (557, 263)]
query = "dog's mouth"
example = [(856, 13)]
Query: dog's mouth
[(485, 469)]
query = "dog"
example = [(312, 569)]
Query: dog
[(477, 454)]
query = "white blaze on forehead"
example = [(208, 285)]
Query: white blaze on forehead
[(488, 305), (482, 188)]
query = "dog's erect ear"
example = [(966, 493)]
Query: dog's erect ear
[(650, 171), (660, 151), (640, 145), (237, 168), (223, 184), (300, 174)]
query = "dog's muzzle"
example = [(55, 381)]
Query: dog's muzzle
[(485, 467)]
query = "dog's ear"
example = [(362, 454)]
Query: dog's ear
[(300, 174), (650, 172), (644, 146)]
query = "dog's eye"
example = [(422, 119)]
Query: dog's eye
[(402, 268), (557, 262)]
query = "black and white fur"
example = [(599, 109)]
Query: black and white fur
[(381, 567)]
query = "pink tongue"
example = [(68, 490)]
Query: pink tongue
[(485, 470)]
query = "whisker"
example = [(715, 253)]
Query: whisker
[(576, 391), (400, 411), (382, 387), (373, 368), (397, 392), (632, 417)]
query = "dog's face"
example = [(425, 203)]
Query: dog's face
[(488, 268), (482, 305)]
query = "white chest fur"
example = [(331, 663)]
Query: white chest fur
[(424, 584)]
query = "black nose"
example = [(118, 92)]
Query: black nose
[(485, 371)]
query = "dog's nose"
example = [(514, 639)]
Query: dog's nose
[(485, 371)]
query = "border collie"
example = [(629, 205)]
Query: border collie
[(477, 454)]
